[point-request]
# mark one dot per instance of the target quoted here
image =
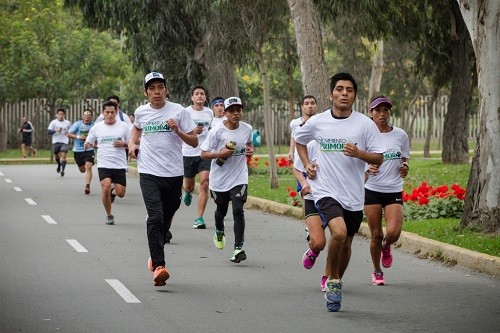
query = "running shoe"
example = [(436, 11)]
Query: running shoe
[(58, 168), (24, 157), (87, 189), (219, 239), (160, 276), (33, 153), (199, 223), (323, 282), (188, 197), (378, 279), (386, 256), (333, 295), (308, 237), (110, 220), (309, 258), (62, 173), (238, 255)]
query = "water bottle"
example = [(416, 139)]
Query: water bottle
[(231, 145)]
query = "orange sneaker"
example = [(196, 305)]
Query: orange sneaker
[(160, 276)]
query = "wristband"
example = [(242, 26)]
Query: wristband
[(406, 165), (78, 137)]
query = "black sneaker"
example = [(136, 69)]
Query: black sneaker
[(238, 255), (58, 168), (62, 173), (110, 220)]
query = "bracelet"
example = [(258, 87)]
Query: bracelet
[(406, 165)]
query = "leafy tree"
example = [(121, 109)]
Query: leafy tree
[(46, 54)]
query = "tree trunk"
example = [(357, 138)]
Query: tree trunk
[(456, 121), (273, 173), (430, 122), (310, 51), (377, 70), (220, 74), (482, 202)]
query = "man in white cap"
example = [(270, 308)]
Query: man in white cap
[(228, 145), (162, 127)]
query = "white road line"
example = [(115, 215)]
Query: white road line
[(49, 219), (122, 291), (30, 201), (1, 173), (18, 189), (8, 180), (77, 246)]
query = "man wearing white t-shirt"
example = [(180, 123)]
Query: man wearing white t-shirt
[(193, 164), (308, 107), (217, 105), (111, 137), (347, 140), (58, 128), (228, 145), (162, 127)]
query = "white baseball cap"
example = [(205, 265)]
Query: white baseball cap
[(232, 101), (153, 76)]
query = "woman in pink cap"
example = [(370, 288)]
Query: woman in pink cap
[(384, 188)]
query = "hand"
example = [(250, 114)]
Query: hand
[(248, 152), (199, 129), (306, 189), (351, 149), (132, 149), (403, 171), (373, 169), (173, 125), (312, 170), (290, 156)]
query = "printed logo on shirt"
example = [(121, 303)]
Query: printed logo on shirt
[(392, 154), (155, 126), (202, 121), (239, 151), (332, 145), (109, 139)]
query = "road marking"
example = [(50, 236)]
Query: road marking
[(7, 180), (77, 246), (30, 201), (49, 219), (18, 189), (1, 173), (122, 291)]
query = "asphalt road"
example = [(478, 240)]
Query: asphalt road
[(62, 269)]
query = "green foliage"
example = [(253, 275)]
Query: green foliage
[(450, 207), (46, 48)]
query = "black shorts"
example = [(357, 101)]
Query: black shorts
[(330, 208), (59, 147), (194, 165), (239, 192), (117, 176), (26, 141), (310, 208), (383, 199), (84, 156)]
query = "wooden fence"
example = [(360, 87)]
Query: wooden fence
[(35, 110)]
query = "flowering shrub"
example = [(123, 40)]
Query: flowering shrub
[(428, 202), (293, 198), (284, 166)]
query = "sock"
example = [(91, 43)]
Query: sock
[(63, 165)]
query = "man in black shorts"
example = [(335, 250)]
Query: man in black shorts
[(26, 131), (84, 158)]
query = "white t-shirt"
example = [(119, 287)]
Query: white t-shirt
[(217, 121), (109, 156), (234, 171), (339, 176), (388, 179), (160, 151), (204, 117), (62, 135), (312, 152)]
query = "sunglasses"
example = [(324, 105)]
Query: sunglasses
[(87, 113)]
